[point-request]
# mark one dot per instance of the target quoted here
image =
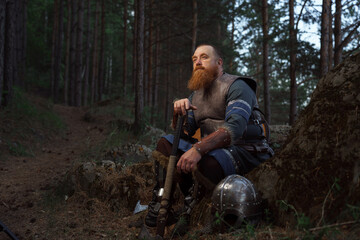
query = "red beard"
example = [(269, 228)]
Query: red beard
[(202, 78)]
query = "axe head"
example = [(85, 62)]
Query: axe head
[(139, 207)]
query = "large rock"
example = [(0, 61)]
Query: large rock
[(317, 171)]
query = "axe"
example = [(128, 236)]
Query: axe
[(165, 200)]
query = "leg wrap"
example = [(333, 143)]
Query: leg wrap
[(160, 162), (160, 158), (209, 185)]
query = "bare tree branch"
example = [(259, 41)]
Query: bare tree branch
[(348, 37), (298, 20)]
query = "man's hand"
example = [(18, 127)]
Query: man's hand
[(180, 107), (188, 161)]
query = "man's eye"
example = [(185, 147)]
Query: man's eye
[(204, 57), (194, 59)]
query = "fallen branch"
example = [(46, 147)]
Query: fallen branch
[(323, 206), (333, 225)]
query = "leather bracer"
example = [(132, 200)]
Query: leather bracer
[(219, 139)]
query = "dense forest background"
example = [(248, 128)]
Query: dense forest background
[(76, 76), (81, 52)]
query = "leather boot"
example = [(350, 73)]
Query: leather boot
[(196, 193), (153, 209), (154, 204)]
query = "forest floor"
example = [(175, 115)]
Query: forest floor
[(33, 204)]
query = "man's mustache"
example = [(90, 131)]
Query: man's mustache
[(198, 67)]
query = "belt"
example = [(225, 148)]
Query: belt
[(260, 147)]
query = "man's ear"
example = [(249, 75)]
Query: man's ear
[(220, 61)]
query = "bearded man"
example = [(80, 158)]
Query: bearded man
[(232, 140)]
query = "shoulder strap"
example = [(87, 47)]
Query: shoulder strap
[(263, 123)]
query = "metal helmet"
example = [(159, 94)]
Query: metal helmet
[(236, 195)]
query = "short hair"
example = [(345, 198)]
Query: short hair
[(216, 50)]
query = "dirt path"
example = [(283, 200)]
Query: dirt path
[(25, 181)]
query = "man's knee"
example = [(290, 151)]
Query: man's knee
[(209, 172), (210, 168), (164, 147)]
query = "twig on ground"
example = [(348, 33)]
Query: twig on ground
[(5, 204), (334, 225), (271, 237), (323, 206)]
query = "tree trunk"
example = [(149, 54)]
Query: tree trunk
[(324, 50), (157, 68), (15, 44), (24, 41), (54, 47), (9, 52), (125, 48), (20, 31), (258, 71), (67, 55), (139, 97), (2, 44), (265, 27), (167, 79), (293, 47), (232, 35), (349, 37), (167, 93), (94, 76), (179, 81), (109, 74), (106, 68), (72, 70), (338, 33), (59, 49), (88, 52), (46, 20), (78, 61), (146, 57), (150, 57), (135, 34), (194, 26), (101, 54), (331, 48), (218, 32)]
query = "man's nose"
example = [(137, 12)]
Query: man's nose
[(198, 62)]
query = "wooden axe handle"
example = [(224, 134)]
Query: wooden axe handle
[(165, 200)]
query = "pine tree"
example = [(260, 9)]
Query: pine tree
[(139, 97)]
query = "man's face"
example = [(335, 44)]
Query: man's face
[(207, 66), (206, 57)]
